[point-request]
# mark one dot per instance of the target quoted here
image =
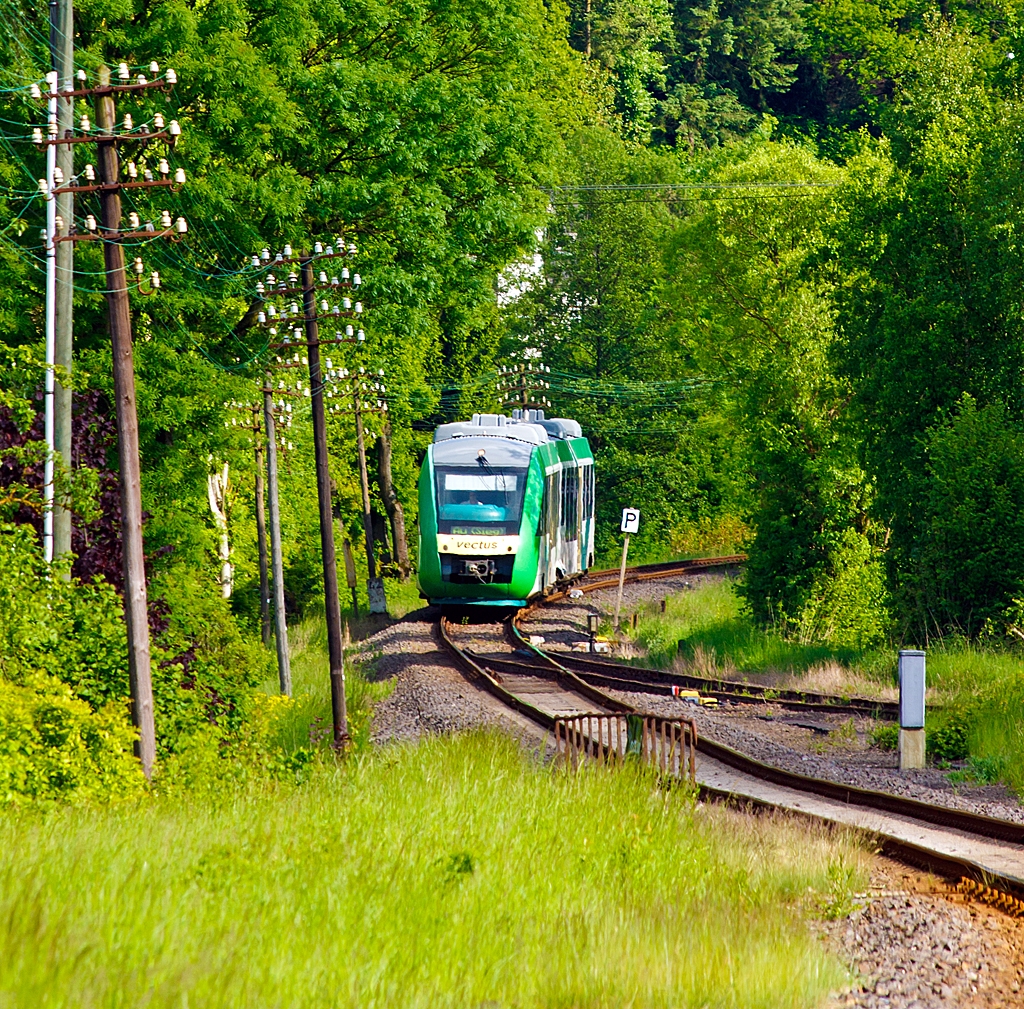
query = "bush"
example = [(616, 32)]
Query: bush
[(847, 604), (886, 736), (951, 740), (55, 746), (210, 761), (204, 671), (833, 594), (69, 637), (65, 629)]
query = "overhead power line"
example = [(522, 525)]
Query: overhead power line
[(666, 192), (616, 186)]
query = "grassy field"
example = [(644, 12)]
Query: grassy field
[(979, 689), (457, 873)]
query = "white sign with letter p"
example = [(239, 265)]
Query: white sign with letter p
[(630, 520)]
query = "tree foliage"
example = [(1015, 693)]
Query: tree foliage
[(759, 315), (766, 251)]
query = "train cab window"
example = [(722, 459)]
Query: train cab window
[(479, 502)]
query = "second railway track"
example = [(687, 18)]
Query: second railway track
[(550, 690)]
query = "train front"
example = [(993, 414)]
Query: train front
[(480, 495)]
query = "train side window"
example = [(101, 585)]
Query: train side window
[(570, 503), (554, 499)]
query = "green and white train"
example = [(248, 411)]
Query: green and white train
[(506, 509)]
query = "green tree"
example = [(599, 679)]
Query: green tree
[(971, 566), (595, 311), (758, 314), (931, 279), (420, 131), (729, 60)]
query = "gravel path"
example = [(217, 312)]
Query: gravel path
[(909, 949)]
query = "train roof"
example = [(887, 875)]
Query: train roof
[(530, 426)]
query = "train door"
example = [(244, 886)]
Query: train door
[(552, 530), (570, 517), (590, 498)]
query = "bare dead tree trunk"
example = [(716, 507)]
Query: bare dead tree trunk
[(391, 503), (217, 493)]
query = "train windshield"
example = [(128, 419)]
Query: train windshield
[(482, 500)]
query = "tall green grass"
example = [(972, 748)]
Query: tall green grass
[(983, 691), (709, 621), (306, 722), (457, 873)]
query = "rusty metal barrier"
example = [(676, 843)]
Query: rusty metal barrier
[(669, 744)]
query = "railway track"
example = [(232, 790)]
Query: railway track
[(636, 679), (555, 693)]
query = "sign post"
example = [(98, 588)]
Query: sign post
[(630, 524)]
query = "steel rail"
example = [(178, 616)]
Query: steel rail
[(593, 581), (942, 816), (622, 676), (948, 866), (666, 569), (478, 668), (984, 828), (661, 684), (644, 679), (568, 728)]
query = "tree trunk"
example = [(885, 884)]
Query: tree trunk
[(391, 502)]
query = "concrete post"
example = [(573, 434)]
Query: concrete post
[(912, 687)]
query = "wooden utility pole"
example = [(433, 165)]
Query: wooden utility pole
[(284, 667), (332, 600), (350, 574), (64, 66), (261, 532), (364, 484), (374, 585), (392, 504), (252, 425), (50, 336), (108, 185), (119, 315)]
